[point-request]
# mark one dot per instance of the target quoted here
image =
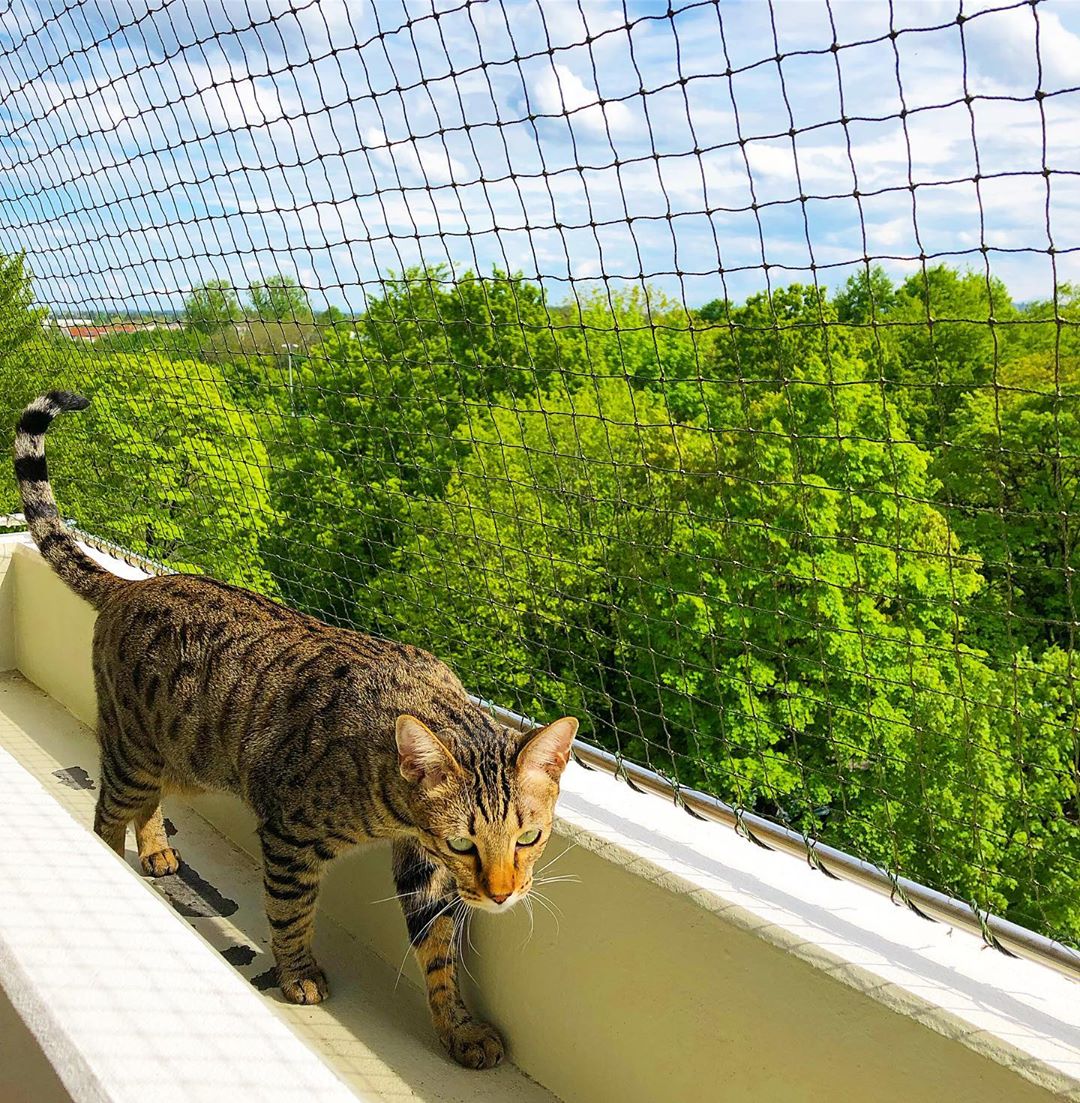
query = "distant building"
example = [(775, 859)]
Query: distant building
[(83, 329), (89, 332)]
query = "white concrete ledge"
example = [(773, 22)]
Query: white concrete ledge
[(688, 962), (123, 998), (1020, 1014)]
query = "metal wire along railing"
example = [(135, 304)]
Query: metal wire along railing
[(709, 370)]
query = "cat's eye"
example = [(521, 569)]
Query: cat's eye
[(461, 845), (527, 838)]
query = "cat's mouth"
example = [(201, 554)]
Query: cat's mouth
[(489, 904)]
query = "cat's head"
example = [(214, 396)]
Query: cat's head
[(484, 807)]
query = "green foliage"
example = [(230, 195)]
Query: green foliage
[(20, 321), (1012, 475), (279, 299), (643, 337), (268, 342), (519, 542), (768, 662), (1051, 327), (772, 335), (378, 408), (1039, 843), (931, 338), (181, 471), (867, 297), (471, 336), (211, 307), (946, 344), (812, 553), (163, 463), (716, 310), (23, 344)]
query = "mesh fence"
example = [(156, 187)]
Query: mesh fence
[(708, 370)]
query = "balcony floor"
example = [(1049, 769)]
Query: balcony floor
[(374, 1031)]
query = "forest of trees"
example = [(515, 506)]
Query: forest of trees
[(814, 553)]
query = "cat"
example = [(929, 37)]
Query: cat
[(330, 736)]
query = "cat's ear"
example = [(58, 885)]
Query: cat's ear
[(422, 756), (548, 750)]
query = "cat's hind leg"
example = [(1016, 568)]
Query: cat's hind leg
[(118, 804), (157, 857), (128, 785)]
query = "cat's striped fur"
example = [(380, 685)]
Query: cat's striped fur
[(331, 736)]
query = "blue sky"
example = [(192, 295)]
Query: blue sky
[(144, 149)]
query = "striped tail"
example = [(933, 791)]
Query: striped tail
[(57, 545)]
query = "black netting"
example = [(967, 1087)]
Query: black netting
[(710, 371)]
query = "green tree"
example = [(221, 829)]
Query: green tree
[(382, 404), (165, 464), (638, 334), (1040, 836), (934, 339), (20, 320), (279, 298), (939, 345), (772, 612), (716, 310), (474, 335), (773, 334), (1049, 326), (866, 297), (1012, 476), (211, 307)]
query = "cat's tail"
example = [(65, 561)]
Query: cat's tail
[(57, 545)]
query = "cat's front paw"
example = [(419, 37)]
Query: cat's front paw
[(307, 987), (162, 864), (474, 1045)]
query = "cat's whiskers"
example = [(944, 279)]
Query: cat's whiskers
[(542, 899), (550, 902), (570, 878), (399, 896), (418, 940), (546, 865), (455, 951), (463, 926), (532, 922)]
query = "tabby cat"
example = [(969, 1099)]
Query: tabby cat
[(330, 736)]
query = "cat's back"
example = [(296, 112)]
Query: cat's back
[(155, 608), (164, 633), (177, 624)]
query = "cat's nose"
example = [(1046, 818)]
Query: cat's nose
[(499, 897)]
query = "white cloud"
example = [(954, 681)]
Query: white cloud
[(560, 92), (1003, 47), (231, 102), (427, 160)]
